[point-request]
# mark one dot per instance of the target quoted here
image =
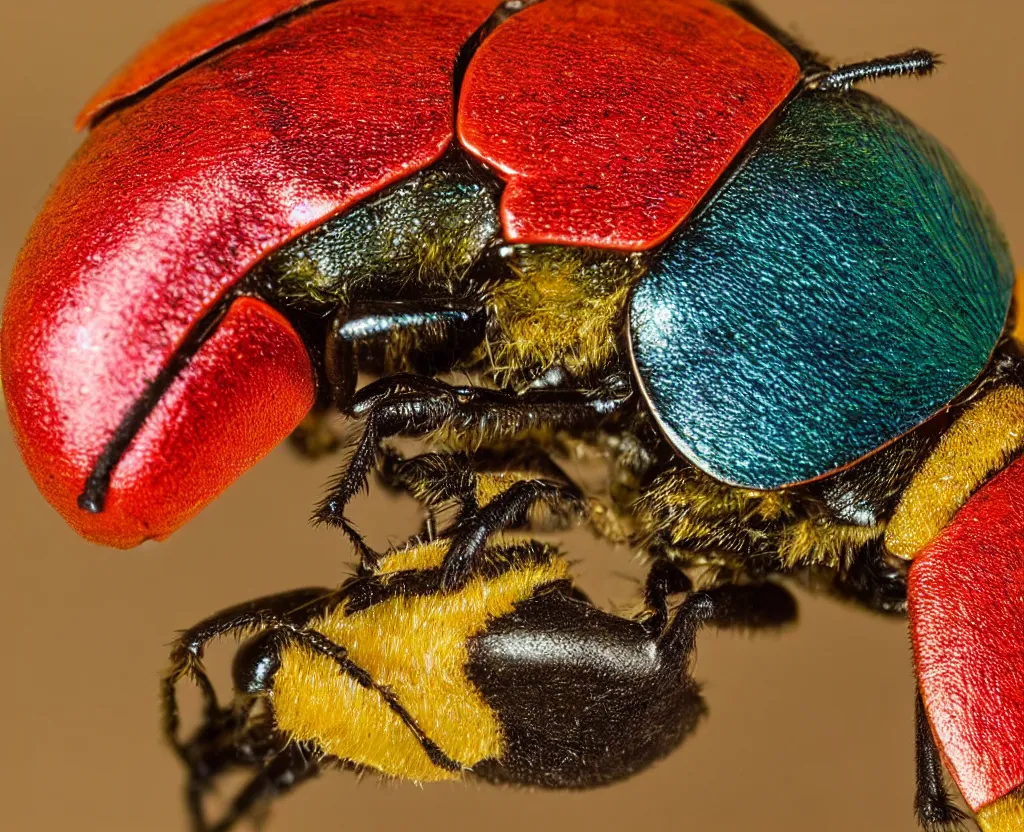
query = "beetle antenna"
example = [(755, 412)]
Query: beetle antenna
[(915, 62)]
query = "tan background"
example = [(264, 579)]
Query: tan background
[(808, 731)]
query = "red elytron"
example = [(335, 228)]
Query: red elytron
[(664, 97), (174, 199), (177, 196), (191, 39), (129, 362), (966, 598)]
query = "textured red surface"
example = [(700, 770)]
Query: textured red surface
[(171, 201), (611, 119), (204, 30), (966, 599), (244, 392)]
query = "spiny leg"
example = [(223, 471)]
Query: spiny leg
[(229, 738), (441, 332), (508, 510), (414, 406), (933, 806), (440, 481), (291, 767), (435, 480), (286, 609), (226, 738), (494, 491)]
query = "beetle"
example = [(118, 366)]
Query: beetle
[(662, 233), (513, 676)]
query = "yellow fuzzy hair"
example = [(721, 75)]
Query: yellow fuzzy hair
[(428, 555), (561, 307), (417, 646), (1005, 815), (691, 503), (979, 443), (494, 484), (685, 506), (810, 542)]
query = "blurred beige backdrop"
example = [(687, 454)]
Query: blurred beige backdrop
[(808, 731)]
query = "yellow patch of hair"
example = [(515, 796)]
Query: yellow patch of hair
[(561, 307), (816, 542), (689, 503), (428, 555), (1005, 815), (494, 484), (606, 521), (417, 646), (979, 443)]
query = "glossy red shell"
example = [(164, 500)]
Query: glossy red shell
[(237, 399), (173, 199), (611, 119), (966, 603), (206, 29)]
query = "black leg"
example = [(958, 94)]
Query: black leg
[(287, 609), (934, 808), (414, 406), (757, 606), (294, 765), (680, 636), (434, 480), (508, 510), (663, 580), (241, 737), (229, 737), (407, 414), (441, 333), (439, 480), (751, 606)]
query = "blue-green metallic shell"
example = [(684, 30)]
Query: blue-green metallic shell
[(846, 285)]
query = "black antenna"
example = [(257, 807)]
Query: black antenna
[(914, 62)]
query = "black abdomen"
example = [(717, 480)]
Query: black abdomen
[(585, 697)]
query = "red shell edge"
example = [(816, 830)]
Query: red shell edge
[(966, 604), (245, 390), (206, 29), (611, 119), (172, 200)]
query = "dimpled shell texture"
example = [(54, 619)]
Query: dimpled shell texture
[(197, 35), (174, 198), (610, 119), (966, 602), (238, 398), (846, 285)]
